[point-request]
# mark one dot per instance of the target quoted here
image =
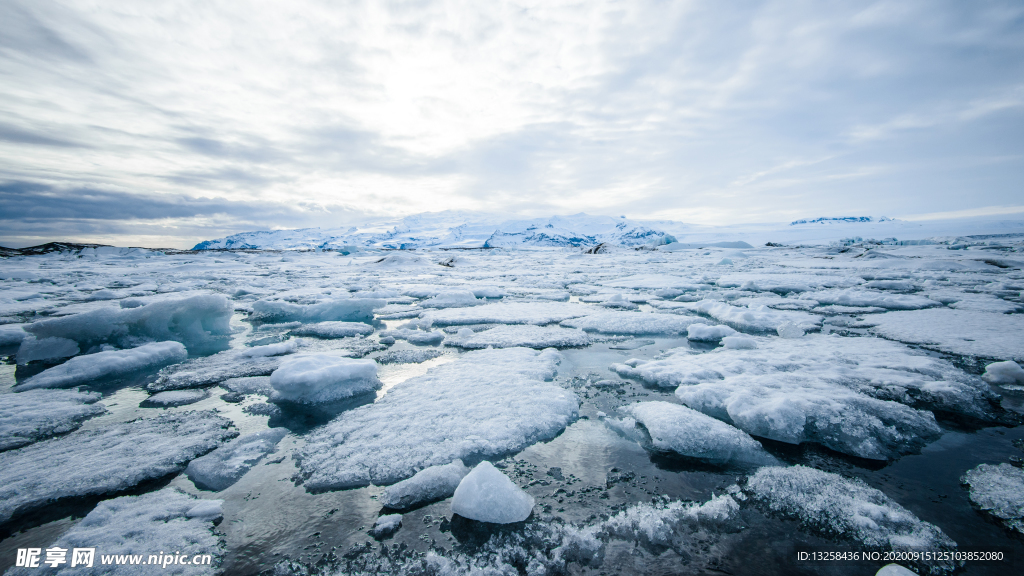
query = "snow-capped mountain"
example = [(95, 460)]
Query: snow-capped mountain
[(456, 229)]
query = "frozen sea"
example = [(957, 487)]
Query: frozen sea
[(681, 410)]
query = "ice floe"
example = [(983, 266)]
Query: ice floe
[(107, 366), (428, 485), (487, 495), (870, 298), (508, 313), (756, 319), (334, 329), (962, 332), (318, 378), (176, 398), (228, 463), (510, 336), (633, 323), (27, 417), (704, 333), (341, 309), (999, 491)]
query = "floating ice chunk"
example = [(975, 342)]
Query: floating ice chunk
[(342, 309), (94, 462), (759, 319), (998, 490), (408, 356), (277, 349), (12, 335), (334, 329), (207, 510), (386, 525), (961, 332), (789, 330), (633, 323), (487, 495), (855, 297), (660, 525), (30, 416), (45, 349), (1008, 372), (538, 313), (837, 506), (109, 365), (428, 485), (317, 378), (227, 464), (725, 262), (678, 429), (249, 385), (176, 398), (197, 322), (894, 570), (143, 526), (486, 403), (705, 333), (739, 343), (489, 292), (418, 337), (452, 299), (985, 303), (512, 336)]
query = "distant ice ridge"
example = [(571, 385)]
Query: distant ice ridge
[(198, 322), (167, 521), (999, 491), (227, 464), (835, 506), (486, 403), (31, 416), (93, 462), (105, 366)]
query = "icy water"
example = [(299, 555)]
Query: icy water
[(939, 318)]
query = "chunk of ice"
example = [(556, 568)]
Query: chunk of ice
[(94, 462), (857, 297), (342, 309), (756, 319), (487, 495), (523, 335), (176, 398), (45, 349), (227, 464), (1008, 372), (739, 343), (999, 491), (538, 313), (633, 323), (110, 365), (452, 299), (427, 485), (386, 525), (334, 329), (317, 378), (704, 333), (962, 332), (30, 416)]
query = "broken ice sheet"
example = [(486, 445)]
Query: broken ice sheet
[(27, 417)]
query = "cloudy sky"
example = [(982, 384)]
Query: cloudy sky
[(165, 123)]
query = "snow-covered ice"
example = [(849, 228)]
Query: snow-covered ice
[(427, 485), (522, 335), (386, 525), (227, 464), (963, 332), (704, 333), (507, 313), (487, 495), (176, 398), (27, 417), (486, 403), (870, 298), (104, 461), (999, 491), (318, 378), (334, 329), (1006, 372), (106, 366), (633, 323), (341, 309), (756, 319)]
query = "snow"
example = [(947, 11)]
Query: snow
[(539, 313), (961, 332), (522, 335), (1008, 372), (452, 299), (836, 506), (318, 378), (686, 432), (342, 309), (486, 403), (227, 464), (198, 322), (106, 366), (739, 343), (334, 329), (999, 491), (755, 319), (176, 398), (249, 385), (407, 356), (386, 525), (145, 525), (487, 495), (31, 416), (704, 333), (870, 298), (428, 485), (633, 323), (277, 349), (104, 461), (11, 335)]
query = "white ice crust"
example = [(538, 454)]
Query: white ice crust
[(106, 366), (487, 495), (227, 464), (318, 378)]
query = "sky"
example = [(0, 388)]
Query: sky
[(165, 123)]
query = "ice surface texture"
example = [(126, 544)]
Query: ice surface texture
[(633, 323), (227, 464), (487, 495), (837, 506), (962, 332), (427, 485), (176, 398), (753, 319), (106, 366), (334, 329), (209, 370), (998, 490), (197, 322), (94, 462), (704, 333), (343, 309), (1008, 372), (526, 336), (318, 378), (386, 525), (538, 313), (686, 432), (166, 520), (486, 403), (865, 298), (27, 417)]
